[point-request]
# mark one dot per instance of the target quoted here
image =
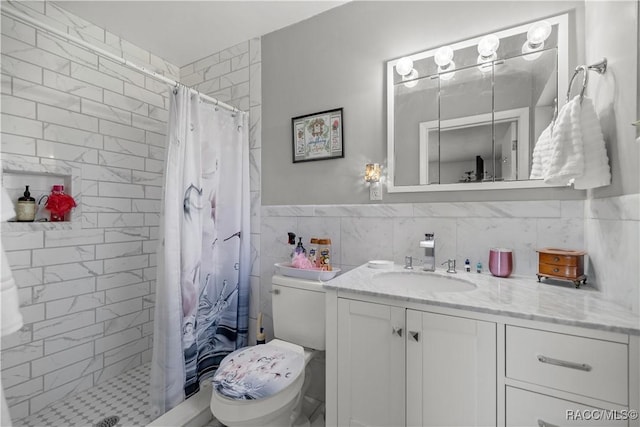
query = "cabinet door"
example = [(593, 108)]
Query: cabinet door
[(451, 371), (371, 356)]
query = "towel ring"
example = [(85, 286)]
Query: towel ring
[(600, 68), (585, 81)]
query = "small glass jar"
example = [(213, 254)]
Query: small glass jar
[(312, 254), (324, 254)]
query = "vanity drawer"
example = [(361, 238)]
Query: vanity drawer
[(579, 365), (525, 408)]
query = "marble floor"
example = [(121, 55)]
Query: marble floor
[(124, 396)]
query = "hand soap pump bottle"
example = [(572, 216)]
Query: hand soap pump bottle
[(300, 249), (292, 242), (467, 265), (26, 208)]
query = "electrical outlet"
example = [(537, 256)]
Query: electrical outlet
[(375, 191)]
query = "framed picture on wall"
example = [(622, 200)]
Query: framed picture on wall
[(318, 136)]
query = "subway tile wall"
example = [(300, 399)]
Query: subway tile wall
[(87, 288)]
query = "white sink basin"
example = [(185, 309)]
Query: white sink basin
[(423, 281)]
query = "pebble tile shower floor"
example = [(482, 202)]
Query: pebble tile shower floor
[(125, 396)]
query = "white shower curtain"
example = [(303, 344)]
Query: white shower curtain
[(202, 291)]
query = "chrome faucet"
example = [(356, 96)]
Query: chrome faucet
[(429, 245), (451, 265)]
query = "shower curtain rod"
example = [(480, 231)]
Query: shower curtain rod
[(34, 22)]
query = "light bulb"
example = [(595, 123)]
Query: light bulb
[(443, 56), (530, 54), (404, 66), (447, 72), (447, 76), (538, 33), (488, 45), (485, 64), (411, 78)]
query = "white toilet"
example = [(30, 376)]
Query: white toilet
[(264, 385)]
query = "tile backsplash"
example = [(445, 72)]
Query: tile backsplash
[(392, 231)]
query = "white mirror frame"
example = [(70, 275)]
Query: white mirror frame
[(563, 75)]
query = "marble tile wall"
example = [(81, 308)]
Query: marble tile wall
[(234, 76), (392, 231), (613, 241), (86, 287)]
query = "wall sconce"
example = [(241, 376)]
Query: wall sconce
[(372, 175), (487, 48), (372, 172), (536, 36), (444, 59)]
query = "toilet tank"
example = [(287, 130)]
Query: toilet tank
[(298, 311)]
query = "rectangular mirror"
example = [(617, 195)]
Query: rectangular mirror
[(467, 116)]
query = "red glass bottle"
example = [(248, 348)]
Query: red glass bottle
[(59, 203)]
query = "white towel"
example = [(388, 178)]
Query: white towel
[(572, 150), (541, 152), (10, 315), (566, 157), (596, 162), (9, 302)]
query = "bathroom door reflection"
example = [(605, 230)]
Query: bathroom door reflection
[(466, 140)]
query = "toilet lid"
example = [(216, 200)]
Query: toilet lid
[(257, 372)]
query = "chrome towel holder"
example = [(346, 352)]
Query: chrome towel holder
[(599, 67)]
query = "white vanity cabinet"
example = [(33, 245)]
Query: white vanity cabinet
[(510, 353), (398, 366)]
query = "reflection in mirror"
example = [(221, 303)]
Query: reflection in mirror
[(466, 116)]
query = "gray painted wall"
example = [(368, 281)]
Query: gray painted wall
[(614, 93), (337, 59)]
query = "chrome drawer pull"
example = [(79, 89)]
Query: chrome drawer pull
[(396, 331), (542, 423), (415, 335), (564, 363)]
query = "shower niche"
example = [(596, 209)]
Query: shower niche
[(41, 179)]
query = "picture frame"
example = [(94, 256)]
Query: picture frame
[(318, 136)]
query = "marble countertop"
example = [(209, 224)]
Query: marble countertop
[(518, 297)]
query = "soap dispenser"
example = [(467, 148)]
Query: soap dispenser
[(291, 241), (26, 208), (300, 249)]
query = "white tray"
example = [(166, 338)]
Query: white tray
[(285, 269)]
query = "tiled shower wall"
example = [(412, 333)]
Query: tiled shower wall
[(87, 286)]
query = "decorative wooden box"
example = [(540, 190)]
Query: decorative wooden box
[(562, 264)]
